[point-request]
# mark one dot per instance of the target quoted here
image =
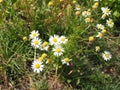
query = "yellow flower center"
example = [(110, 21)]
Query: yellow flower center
[(1, 1), (24, 38), (78, 7), (109, 22), (88, 19), (37, 66), (100, 34), (67, 59), (34, 34), (107, 55), (96, 4), (50, 3), (40, 58), (107, 10), (61, 0), (77, 13), (63, 39), (104, 15), (91, 39), (45, 44), (36, 42), (74, 2), (44, 55), (97, 48), (54, 40), (58, 50), (104, 31)]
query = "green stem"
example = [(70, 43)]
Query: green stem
[(56, 69), (35, 54)]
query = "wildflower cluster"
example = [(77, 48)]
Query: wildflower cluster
[(55, 42), (100, 28)]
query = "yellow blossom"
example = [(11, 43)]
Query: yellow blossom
[(103, 31), (24, 38), (97, 48), (1, 1), (91, 38), (51, 3), (44, 55), (77, 13), (74, 1), (40, 59)]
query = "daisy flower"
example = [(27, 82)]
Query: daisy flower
[(63, 39), (106, 11), (66, 61), (86, 13), (106, 55), (44, 46), (100, 26), (100, 35), (77, 7), (36, 42), (37, 66), (97, 48), (34, 34), (54, 40), (87, 20), (58, 50), (110, 23)]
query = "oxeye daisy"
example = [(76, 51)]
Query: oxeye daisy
[(58, 50), (63, 39), (34, 34), (88, 19), (44, 46), (106, 11), (100, 26), (84, 14), (97, 48), (106, 55), (110, 23), (66, 61), (100, 35), (37, 66), (54, 40), (77, 7), (36, 43)]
